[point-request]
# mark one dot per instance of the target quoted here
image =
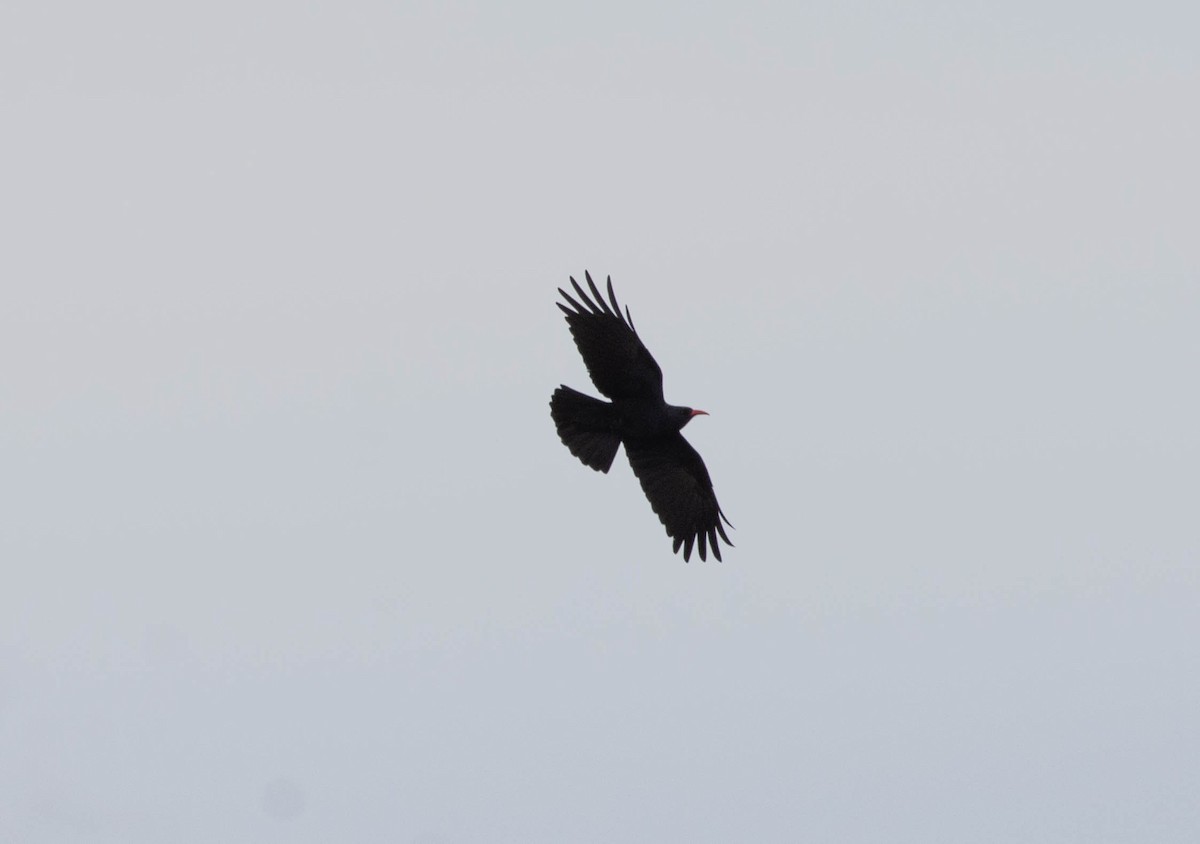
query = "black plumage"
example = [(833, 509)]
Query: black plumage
[(670, 471)]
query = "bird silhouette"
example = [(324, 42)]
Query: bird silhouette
[(671, 473)]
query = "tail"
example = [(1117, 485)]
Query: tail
[(585, 426)]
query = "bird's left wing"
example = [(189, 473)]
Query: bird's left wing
[(619, 363), (675, 480)]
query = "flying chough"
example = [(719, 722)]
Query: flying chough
[(670, 471)]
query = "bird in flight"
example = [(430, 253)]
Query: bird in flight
[(670, 471)]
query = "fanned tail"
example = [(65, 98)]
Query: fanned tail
[(585, 426)]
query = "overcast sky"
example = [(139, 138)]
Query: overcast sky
[(291, 552)]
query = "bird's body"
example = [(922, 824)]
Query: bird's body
[(671, 473)]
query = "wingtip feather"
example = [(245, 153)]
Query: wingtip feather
[(599, 298), (721, 531), (590, 305), (612, 297), (578, 308)]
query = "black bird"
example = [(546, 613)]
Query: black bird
[(670, 471)]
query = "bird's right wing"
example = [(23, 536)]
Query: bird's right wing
[(680, 492), (619, 364)]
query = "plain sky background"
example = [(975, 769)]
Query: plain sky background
[(291, 552)]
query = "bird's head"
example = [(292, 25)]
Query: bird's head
[(684, 415)]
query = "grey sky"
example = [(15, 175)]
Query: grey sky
[(292, 553)]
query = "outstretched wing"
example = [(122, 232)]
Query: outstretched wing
[(620, 366), (675, 480)]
